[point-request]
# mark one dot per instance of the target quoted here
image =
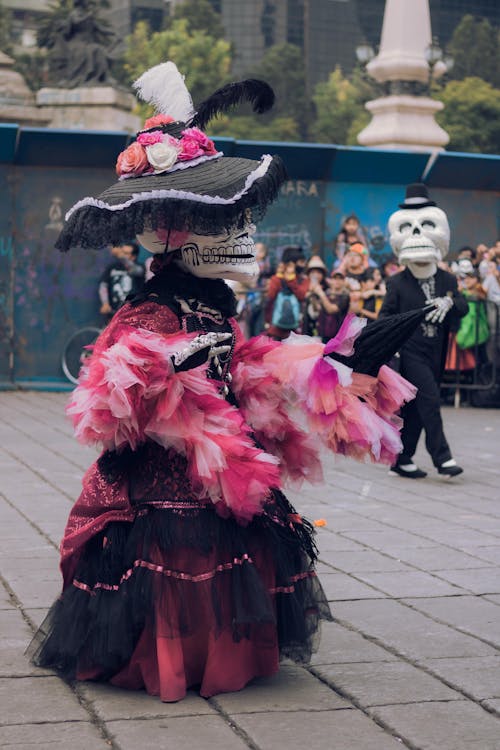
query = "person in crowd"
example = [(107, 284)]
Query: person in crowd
[(390, 268), (256, 297), (467, 346), (490, 256), (465, 253), (420, 236), (123, 276), (379, 281), (370, 297), (353, 268), (286, 291), (327, 301), (350, 232), (491, 282), (316, 273)]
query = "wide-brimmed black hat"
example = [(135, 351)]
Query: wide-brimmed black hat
[(172, 177), (417, 196)]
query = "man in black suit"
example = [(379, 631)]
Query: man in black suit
[(420, 238)]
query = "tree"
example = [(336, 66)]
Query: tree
[(205, 61), (475, 49), (471, 115), (282, 67), (252, 128), (200, 16), (340, 114)]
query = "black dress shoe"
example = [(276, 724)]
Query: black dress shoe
[(415, 473), (450, 471)]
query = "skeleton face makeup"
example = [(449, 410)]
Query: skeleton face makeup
[(420, 238), (229, 255)]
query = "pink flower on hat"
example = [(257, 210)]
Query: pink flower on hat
[(203, 140), (190, 149), (132, 161), (157, 120), (147, 139)]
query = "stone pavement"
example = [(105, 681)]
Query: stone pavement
[(411, 570)]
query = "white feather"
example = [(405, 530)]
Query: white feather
[(163, 87)]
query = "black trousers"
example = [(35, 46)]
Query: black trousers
[(424, 412)]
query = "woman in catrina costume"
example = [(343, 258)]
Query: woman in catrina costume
[(183, 562)]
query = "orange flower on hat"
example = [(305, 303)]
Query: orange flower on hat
[(133, 160), (157, 120)]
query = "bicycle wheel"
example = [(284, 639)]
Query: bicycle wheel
[(76, 351)]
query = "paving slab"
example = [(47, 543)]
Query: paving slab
[(291, 689), (409, 632), (27, 700), (477, 676), (344, 730), (468, 613), (398, 584), (340, 645), (476, 580), (385, 683), (68, 735), (207, 732), (491, 553), (457, 725), (341, 587), (111, 703), (437, 558), (355, 561)]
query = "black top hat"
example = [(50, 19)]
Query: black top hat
[(172, 176), (417, 196)]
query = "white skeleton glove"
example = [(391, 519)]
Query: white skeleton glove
[(442, 306), (201, 349)]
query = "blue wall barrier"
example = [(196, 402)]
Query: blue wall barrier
[(45, 295)]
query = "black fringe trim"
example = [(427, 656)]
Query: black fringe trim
[(93, 227), (83, 631)]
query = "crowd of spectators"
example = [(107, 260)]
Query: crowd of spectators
[(303, 295)]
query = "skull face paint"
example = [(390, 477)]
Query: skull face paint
[(420, 238), (229, 255)]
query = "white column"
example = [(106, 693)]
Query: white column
[(404, 118)]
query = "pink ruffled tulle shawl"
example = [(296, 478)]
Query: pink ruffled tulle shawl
[(131, 392)]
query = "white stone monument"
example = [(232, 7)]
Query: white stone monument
[(404, 118), (17, 102), (89, 108)]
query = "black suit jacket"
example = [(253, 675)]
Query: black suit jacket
[(404, 293)]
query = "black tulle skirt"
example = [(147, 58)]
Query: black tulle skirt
[(181, 596)]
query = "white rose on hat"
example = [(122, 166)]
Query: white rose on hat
[(164, 154)]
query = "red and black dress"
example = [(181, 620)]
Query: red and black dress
[(165, 585)]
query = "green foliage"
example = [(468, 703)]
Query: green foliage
[(200, 16), (205, 61), (283, 68), (475, 49), (251, 128), (340, 114), (471, 115)]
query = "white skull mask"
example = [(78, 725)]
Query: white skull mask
[(229, 255), (420, 238)]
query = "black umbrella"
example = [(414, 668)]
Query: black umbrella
[(379, 341)]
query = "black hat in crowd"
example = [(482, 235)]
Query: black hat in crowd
[(172, 176), (417, 196)]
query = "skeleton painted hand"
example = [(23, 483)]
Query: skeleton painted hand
[(201, 349), (442, 306)]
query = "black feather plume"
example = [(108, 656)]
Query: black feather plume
[(258, 93)]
